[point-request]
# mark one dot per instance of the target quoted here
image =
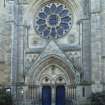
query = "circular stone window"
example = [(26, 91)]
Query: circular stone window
[(53, 21)]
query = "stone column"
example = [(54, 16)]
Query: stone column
[(86, 49), (17, 50), (96, 45), (20, 38), (14, 60), (86, 41), (53, 92), (102, 5), (86, 46)]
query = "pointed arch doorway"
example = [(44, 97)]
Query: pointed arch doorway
[(54, 77), (53, 82)]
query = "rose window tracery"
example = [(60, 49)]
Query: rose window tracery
[(53, 21)]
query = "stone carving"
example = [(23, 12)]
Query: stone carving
[(53, 21)]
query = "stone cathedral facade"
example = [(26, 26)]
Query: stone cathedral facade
[(53, 51)]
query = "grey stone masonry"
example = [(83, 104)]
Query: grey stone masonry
[(103, 37), (17, 60), (14, 42), (14, 48), (96, 43), (86, 50), (86, 42)]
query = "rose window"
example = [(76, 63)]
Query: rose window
[(53, 21)]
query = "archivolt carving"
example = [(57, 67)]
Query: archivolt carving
[(39, 70)]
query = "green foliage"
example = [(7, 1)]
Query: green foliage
[(97, 98), (5, 97)]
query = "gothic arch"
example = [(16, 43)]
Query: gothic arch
[(58, 72), (74, 5), (51, 60)]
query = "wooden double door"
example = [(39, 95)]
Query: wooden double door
[(59, 95)]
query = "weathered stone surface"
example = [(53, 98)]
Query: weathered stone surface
[(85, 42)]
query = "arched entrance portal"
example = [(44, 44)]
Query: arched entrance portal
[(54, 82)]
